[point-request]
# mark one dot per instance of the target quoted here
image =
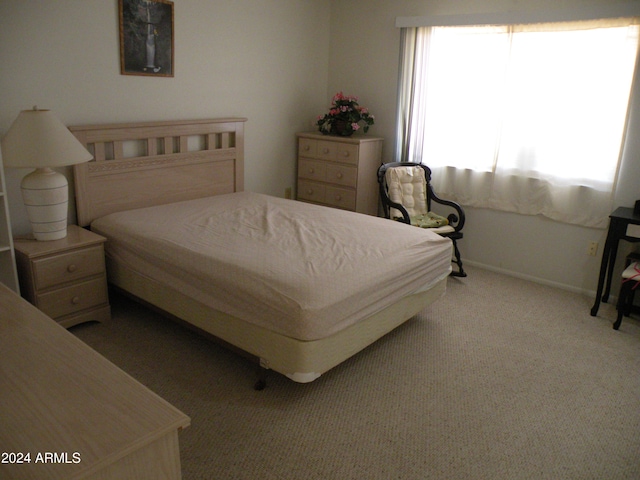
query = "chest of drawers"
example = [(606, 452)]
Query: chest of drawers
[(66, 279), (339, 171), (59, 395)]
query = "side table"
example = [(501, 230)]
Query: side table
[(619, 222), (66, 278)]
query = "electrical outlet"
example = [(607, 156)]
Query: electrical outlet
[(287, 193), (592, 249)]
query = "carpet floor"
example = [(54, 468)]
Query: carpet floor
[(500, 379)]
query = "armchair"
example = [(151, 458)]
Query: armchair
[(407, 196)]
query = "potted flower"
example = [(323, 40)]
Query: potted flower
[(345, 116)]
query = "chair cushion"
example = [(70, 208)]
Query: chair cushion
[(443, 230), (429, 220), (408, 187), (632, 272)]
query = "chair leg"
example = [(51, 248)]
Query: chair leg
[(630, 300), (621, 306), (616, 324), (458, 261)]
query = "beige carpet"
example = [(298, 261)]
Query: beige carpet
[(501, 379)]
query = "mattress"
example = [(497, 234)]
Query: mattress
[(301, 270)]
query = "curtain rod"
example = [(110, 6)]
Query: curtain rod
[(592, 12)]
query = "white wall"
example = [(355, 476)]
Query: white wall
[(277, 62), (364, 62), (266, 60)]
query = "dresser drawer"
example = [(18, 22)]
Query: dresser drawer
[(307, 147), (313, 192), (67, 267), (326, 150), (346, 153), (312, 169), (73, 298), (330, 172), (341, 175), (340, 197)]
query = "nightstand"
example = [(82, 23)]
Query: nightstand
[(66, 278)]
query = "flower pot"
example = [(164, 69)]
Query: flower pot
[(342, 128)]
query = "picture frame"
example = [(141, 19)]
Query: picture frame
[(146, 37)]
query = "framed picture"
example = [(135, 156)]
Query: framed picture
[(146, 37)]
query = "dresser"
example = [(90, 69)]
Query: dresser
[(69, 413), (65, 278), (338, 171)]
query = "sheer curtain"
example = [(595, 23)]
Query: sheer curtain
[(522, 118)]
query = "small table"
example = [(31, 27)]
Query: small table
[(619, 221), (65, 278)]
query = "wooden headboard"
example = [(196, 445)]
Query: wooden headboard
[(142, 164)]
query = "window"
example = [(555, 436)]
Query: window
[(523, 118)]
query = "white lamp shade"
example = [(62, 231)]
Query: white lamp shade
[(38, 139)]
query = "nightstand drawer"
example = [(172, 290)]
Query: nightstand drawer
[(68, 267), (73, 298)]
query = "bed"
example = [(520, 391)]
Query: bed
[(300, 287)]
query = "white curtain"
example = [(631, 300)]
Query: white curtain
[(528, 119)]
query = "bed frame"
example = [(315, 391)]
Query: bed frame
[(143, 164)]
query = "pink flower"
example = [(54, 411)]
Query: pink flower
[(355, 126)]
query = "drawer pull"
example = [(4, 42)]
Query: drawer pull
[(75, 300), (338, 197), (345, 153), (325, 150), (72, 268), (311, 170), (310, 192), (307, 148), (339, 175)]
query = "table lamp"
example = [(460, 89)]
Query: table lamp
[(37, 139)]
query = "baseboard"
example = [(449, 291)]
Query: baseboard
[(531, 278)]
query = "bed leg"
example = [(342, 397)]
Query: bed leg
[(261, 383)]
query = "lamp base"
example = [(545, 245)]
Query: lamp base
[(46, 195)]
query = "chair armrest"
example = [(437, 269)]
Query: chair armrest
[(456, 221), (405, 215)]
